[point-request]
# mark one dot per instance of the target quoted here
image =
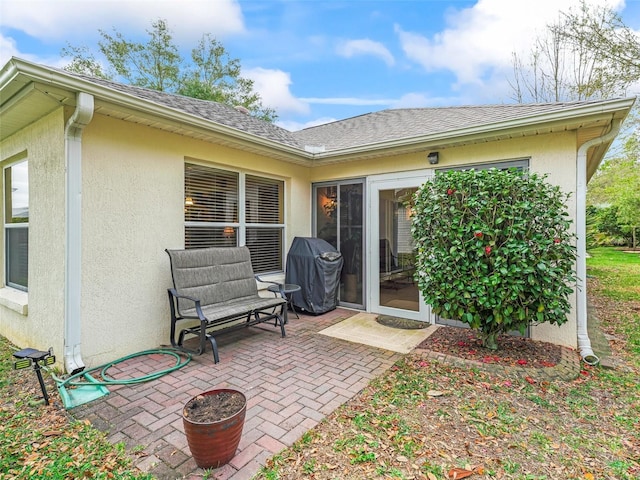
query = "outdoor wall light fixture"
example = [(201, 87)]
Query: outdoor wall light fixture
[(433, 158)]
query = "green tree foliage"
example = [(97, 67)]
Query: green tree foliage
[(587, 54), (604, 229), (617, 186), (210, 74), (494, 250)]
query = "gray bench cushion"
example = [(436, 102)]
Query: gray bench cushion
[(221, 278)]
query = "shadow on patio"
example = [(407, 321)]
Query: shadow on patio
[(290, 383)]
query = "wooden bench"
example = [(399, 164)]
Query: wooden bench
[(217, 287)]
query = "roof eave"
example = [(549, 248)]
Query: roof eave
[(37, 73)]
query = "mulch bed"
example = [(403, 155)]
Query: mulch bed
[(512, 350)]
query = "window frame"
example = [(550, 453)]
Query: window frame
[(521, 163), (9, 225), (241, 226)]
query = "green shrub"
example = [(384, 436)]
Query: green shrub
[(494, 250)]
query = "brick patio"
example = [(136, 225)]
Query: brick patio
[(290, 383)]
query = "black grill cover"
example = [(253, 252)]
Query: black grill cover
[(315, 265)]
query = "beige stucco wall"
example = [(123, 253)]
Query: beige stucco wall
[(552, 154), (42, 144), (133, 182), (133, 195)]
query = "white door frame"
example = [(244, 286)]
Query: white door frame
[(376, 183)]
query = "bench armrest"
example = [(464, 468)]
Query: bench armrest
[(196, 301), (262, 280)]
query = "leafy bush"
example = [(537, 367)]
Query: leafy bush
[(494, 250)]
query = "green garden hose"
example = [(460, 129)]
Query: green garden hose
[(107, 380)]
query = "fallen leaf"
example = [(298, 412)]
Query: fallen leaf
[(458, 473)]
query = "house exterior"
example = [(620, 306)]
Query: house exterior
[(99, 178)]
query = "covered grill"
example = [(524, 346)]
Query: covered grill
[(315, 265)]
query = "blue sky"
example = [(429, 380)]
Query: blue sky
[(317, 61)]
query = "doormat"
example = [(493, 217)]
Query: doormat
[(402, 323), (362, 328)]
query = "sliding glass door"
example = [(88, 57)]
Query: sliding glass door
[(392, 258), (339, 219)]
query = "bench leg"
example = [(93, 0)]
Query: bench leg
[(214, 347), (283, 320)]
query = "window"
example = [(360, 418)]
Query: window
[(522, 164), (16, 225), (224, 209)]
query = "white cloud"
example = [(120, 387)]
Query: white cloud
[(75, 19), (365, 46), (480, 40), (9, 48), (273, 87)]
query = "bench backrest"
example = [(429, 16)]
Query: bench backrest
[(212, 275)]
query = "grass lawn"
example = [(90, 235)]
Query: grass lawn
[(423, 418), (42, 442), (418, 421)]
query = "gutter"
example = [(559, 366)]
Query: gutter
[(584, 343), (73, 157)]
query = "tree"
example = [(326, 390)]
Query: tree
[(155, 65), (83, 61), (494, 250), (617, 185), (211, 74), (214, 75), (589, 53)]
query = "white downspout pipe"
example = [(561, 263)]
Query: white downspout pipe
[(584, 343), (73, 152)]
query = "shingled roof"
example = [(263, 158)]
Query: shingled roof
[(370, 129), (408, 123), (214, 111)]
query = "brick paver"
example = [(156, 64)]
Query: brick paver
[(290, 383)]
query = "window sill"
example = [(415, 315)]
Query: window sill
[(15, 300)]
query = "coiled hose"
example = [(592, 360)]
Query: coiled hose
[(107, 380)]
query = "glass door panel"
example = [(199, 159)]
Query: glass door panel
[(351, 241), (339, 219), (327, 214), (396, 251)]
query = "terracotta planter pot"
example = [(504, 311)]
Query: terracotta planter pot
[(213, 444)]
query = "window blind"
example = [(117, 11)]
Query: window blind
[(265, 245), (211, 195), (263, 200), (213, 219)]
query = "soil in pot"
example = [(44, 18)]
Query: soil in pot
[(211, 408)]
